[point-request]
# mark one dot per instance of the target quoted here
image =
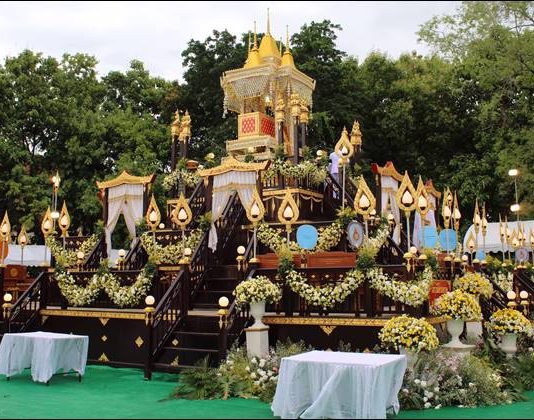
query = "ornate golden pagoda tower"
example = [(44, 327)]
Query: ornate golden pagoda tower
[(272, 99)]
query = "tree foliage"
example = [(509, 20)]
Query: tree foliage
[(462, 116)]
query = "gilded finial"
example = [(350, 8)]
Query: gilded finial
[(281, 46), (287, 37), (255, 36), (249, 40), (268, 21)]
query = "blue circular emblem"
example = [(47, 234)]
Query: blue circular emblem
[(307, 236)]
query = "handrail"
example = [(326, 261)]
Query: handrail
[(197, 202), (26, 310), (97, 254), (334, 190), (137, 256)]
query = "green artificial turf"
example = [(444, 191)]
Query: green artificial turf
[(123, 393)]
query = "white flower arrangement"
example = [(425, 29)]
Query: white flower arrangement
[(69, 258), (327, 296), (474, 283), (181, 177), (504, 280), (169, 254), (122, 296), (411, 333), (315, 174), (410, 293), (257, 289)]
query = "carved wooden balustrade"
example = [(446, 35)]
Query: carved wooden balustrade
[(24, 315), (523, 280), (137, 257), (365, 301), (99, 253)]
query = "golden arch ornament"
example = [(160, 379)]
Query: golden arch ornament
[(64, 220), (364, 201), (256, 209), (153, 215), (182, 214)]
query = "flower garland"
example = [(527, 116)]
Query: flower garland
[(457, 305), (179, 176), (121, 296), (410, 293), (509, 321), (325, 296), (169, 254), (411, 333), (504, 280), (474, 283), (69, 258), (316, 174), (257, 289)]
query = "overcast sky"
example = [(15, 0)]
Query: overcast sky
[(157, 32)]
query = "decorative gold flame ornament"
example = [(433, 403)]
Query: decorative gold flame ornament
[(64, 220), (477, 221), (364, 201), (255, 213), (288, 213), (153, 215), (356, 136), (422, 203), (23, 240), (47, 224), (344, 148), (5, 229), (406, 201), (446, 209), (182, 214), (471, 242)]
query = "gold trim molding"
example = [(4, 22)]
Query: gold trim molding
[(274, 193), (93, 314), (336, 322), (232, 164), (125, 178)]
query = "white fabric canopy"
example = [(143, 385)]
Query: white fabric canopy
[(223, 187), (390, 186), (126, 199), (44, 352), (338, 385), (430, 219), (493, 238)]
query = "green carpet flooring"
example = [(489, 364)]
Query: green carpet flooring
[(122, 393)]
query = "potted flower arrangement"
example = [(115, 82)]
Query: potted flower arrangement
[(475, 284), (508, 323), (457, 306), (410, 336), (257, 291)]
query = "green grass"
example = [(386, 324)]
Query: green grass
[(123, 393)]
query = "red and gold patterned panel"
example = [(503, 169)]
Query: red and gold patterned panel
[(267, 125), (248, 125)]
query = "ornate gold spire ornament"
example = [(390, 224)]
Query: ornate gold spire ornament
[(64, 221), (175, 127), (185, 127), (304, 112), (153, 216), (356, 136), (182, 214), (280, 110), (287, 57), (253, 59), (268, 49), (23, 241), (288, 213), (364, 202), (255, 213), (344, 149), (47, 227)]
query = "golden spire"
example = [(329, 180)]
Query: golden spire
[(268, 49), (253, 59), (287, 58)]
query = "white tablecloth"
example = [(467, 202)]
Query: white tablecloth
[(323, 384), (44, 352)]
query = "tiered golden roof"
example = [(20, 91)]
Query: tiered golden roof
[(126, 178)]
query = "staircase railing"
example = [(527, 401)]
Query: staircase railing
[(523, 281), (238, 317), (98, 253), (24, 314), (229, 224), (137, 256), (197, 202)]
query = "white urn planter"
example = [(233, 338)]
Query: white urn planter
[(411, 356), (509, 344), (257, 310), (455, 328)]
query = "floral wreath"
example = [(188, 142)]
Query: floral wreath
[(122, 296), (69, 258)]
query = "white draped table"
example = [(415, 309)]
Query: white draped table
[(322, 384), (44, 352)]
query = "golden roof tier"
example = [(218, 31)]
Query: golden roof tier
[(126, 178)]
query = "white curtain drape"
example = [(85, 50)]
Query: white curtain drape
[(390, 186), (223, 187), (430, 220), (124, 199)]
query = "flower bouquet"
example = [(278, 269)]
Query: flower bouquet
[(508, 323), (475, 284), (257, 291), (410, 333)]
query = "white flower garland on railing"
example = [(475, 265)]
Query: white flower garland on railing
[(504, 280), (69, 258), (170, 254), (326, 296), (120, 295), (316, 174), (413, 293)]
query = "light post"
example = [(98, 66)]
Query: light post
[(56, 181), (422, 207), (182, 215), (364, 202), (153, 217), (514, 173), (64, 223), (406, 201), (288, 213), (484, 226), (456, 216), (23, 241), (255, 213), (47, 227), (446, 213)]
